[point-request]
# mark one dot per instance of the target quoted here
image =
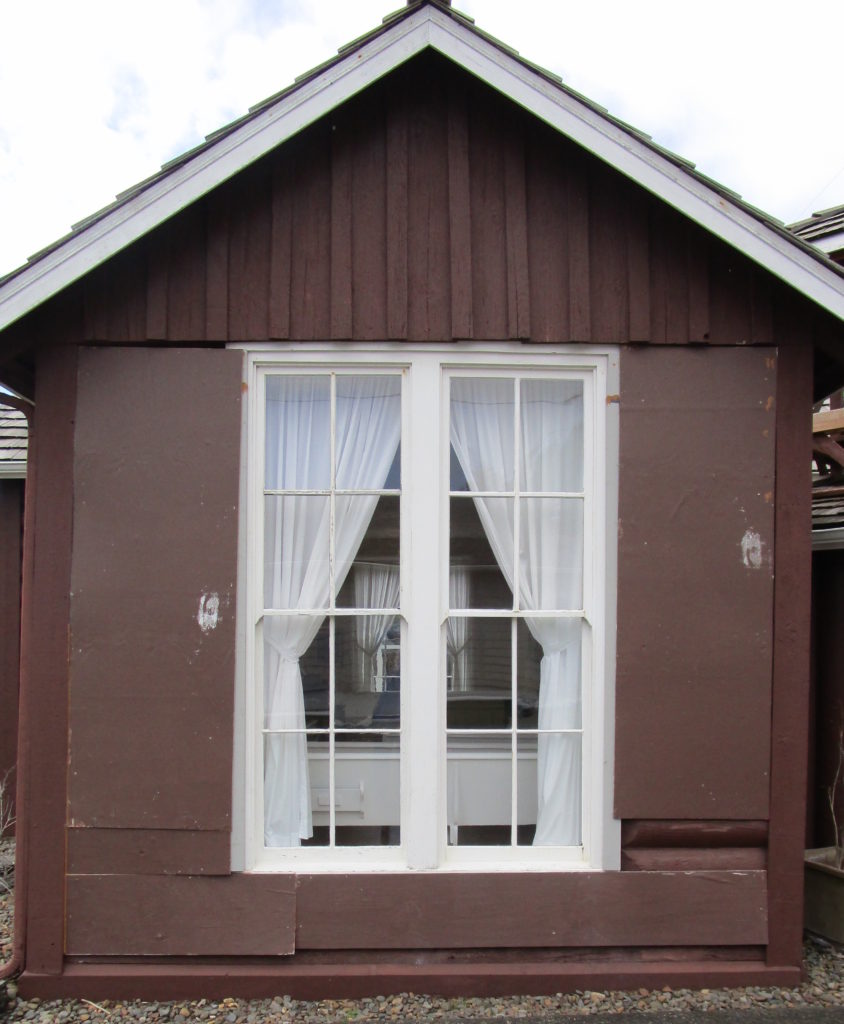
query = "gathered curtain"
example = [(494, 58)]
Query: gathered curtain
[(296, 553), (457, 628), (550, 555), (376, 585)]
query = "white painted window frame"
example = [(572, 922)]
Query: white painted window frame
[(424, 535)]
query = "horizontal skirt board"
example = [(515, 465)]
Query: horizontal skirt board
[(149, 915), (359, 980), (668, 833), (147, 851), (536, 909), (679, 858)]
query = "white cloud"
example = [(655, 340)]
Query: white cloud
[(95, 95)]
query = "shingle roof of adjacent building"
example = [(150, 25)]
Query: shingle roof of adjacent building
[(14, 438), (825, 229)]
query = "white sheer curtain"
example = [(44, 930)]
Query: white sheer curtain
[(376, 585), (550, 555), (296, 547), (456, 628)]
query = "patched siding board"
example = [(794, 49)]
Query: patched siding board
[(151, 691), (693, 678)]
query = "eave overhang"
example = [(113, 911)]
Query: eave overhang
[(428, 26)]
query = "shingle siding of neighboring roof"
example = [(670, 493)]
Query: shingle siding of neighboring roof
[(14, 438), (825, 229)]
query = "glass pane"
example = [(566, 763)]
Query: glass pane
[(551, 454), (368, 424), (528, 659), (367, 790), (284, 637), (555, 778), (526, 790), (373, 580), (476, 580), (318, 771), (478, 673), (479, 785), (368, 672), (482, 434), (295, 551), (551, 553), (298, 432)]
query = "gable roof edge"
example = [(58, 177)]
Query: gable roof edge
[(624, 149)]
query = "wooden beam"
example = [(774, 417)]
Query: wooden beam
[(824, 422)]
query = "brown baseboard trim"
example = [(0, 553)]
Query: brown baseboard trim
[(354, 981)]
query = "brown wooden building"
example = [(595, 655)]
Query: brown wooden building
[(417, 552)]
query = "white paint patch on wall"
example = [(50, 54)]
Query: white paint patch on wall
[(209, 611), (751, 550)]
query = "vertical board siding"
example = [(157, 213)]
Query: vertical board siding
[(430, 209), (428, 272), (369, 233)]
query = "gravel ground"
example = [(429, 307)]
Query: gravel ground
[(823, 990)]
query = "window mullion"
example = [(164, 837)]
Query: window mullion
[(423, 711)]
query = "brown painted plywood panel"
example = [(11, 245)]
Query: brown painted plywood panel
[(310, 279), (459, 215), (144, 851), (430, 911), (186, 300), (154, 550), (148, 915), (695, 586)]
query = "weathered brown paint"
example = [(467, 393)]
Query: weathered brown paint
[(461, 218), (154, 534), (693, 678), (155, 915), (44, 657), (792, 596), (530, 909), (142, 851), (703, 834), (11, 529)]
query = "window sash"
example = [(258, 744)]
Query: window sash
[(427, 369)]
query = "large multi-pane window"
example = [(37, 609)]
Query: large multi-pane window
[(425, 562)]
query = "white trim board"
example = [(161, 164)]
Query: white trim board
[(425, 27)]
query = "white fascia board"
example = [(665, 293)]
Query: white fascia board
[(359, 69), (639, 162), (214, 165)]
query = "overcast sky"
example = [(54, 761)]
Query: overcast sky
[(96, 94)]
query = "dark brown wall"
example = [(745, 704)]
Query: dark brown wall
[(11, 535), (429, 209), (693, 676), (156, 457)]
